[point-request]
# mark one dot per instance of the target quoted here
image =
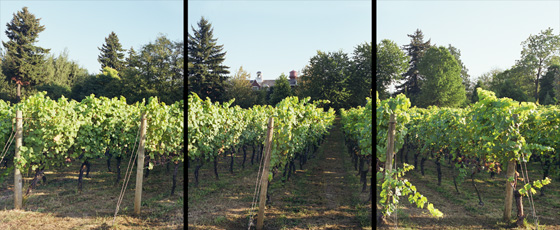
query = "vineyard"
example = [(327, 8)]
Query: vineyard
[(221, 136), (505, 149), (63, 134)]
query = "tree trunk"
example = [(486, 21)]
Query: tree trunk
[(216, 167), (109, 156), (293, 166), (438, 167), (519, 202), (477, 193), (455, 183), (174, 177), (42, 175), (364, 179), (196, 174), (406, 153), (231, 164), (422, 165), (244, 156), (33, 183), (88, 166), (360, 167), (82, 169), (537, 81)]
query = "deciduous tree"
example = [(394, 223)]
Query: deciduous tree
[(391, 63), (537, 53), (239, 87), (280, 90), (326, 78), (443, 84)]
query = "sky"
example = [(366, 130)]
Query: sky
[(488, 33), (81, 27), (276, 37)]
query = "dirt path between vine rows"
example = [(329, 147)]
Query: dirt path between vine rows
[(325, 194)]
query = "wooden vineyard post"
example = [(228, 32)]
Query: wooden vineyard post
[(389, 157), (509, 190), (17, 174), (390, 144), (140, 167), (264, 177), (509, 185)]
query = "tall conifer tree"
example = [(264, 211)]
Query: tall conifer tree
[(411, 86), (112, 53), (23, 60), (207, 74)]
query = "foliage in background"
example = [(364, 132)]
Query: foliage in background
[(207, 74), (22, 61), (111, 53), (239, 87), (391, 63), (443, 84), (412, 84), (280, 90), (537, 53)]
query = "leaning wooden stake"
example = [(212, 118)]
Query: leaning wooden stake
[(264, 177), (140, 166), (17, 174)]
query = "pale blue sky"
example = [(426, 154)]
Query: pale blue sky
[(488, 33), (82, 26), (275, 37)]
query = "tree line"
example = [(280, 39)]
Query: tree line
[(155, 70), (435, 75), (335, 76)]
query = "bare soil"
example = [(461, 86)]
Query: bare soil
[(463, 211), (325, 194), (57, 204)]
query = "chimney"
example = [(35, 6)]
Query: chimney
[(293, 74)]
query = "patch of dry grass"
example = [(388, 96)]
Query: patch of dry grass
[(59, 205)]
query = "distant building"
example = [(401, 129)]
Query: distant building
[(259, 83)]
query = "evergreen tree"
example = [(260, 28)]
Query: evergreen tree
[(443, 84), (111, 53), (23, 61), (280, 90), (131, 60), (207, 74), (412, 78)]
